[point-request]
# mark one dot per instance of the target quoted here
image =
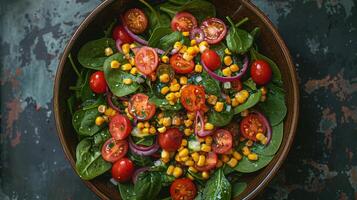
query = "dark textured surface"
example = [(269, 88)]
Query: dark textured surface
[(322, 38)]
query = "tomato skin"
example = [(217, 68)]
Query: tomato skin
[(222, 141), (251, 125), (211, 162), (211, 59), (171, 139), (97, 82), (214, 30), (120, 127), (123, 169), (183, 188), (260, 72), (146, 60), (181, 65), (136, 20), (193, 98), (119, 32), (183, 21), (113, 150), (140, 107)]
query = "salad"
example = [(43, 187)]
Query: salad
[(173, 102)]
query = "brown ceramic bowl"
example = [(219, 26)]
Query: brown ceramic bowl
[(270, 43)]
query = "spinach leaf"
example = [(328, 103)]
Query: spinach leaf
[(101, 137), (148, 185), (83, 91), (220, 118), (179, 2), (156, 19), (114, 77), (255, 32), (275, 142), (138, 160), (84, 121), (252, 100), (126, 191), (238, 188), (71, 101), (92, 56), (211, 85), (274, 67), (164, 104), (146, 141), (167, 41), (247, 166), (217, 187), (157, 34), (238, 40)]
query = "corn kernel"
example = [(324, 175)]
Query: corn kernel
[(227, 71), (165, 59), (146, 124), (176, 121), (164, 78), (191, 51), (184, 142), (253, 156), (177, 45), (237, 155), (132, 61), (206, 148), (193, 42), (225, 158), (140, 125), (102, 108), (195, 156), (134, 71), (175, 87), (132, 45), (108, 51), (260, 136), (186, 33), (226, 51), (166, 121), (188, 122), (99, 121), (234, 102), (201, 161), (209, 126), (126, 48), (160, 115), (264, 141), (198, 68), (145, 131), (187, 131), (165, 154), (249, 143), (165, 90), (204, 43), (177, 94), (201, 139), (264, 90), (191, 115), (177, 158), (152, 130), (244, 93), (234, 68), (187, 56), (219, 106), (219, 164), (127, 81), (184, 159), (109, 112), (183, 152), (208, 140), (172, 102), (162, 129), (170, 170), (183, 80), (232, 162), (212, 99), (114, 64), (174, 81), (192, 169), (242, 96), (227, 60), (177, 172), (205, 175), (106, 118), (170, 96), (197, 49), (246, 151), (126, 67), (189, 163), (202, 48)]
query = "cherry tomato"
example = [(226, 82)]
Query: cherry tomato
[(140, 107), (237, 85), (214, 29), (136, 20), (181, 65), (146, 60), (119, 32), (120, 127), (123, 169), (211, 162), (193, 98), (183, 188), (113, 150), (211, 59), (171, 139), (251, 125), (183, 21), (260, 72), (222, 141), (97, 82)]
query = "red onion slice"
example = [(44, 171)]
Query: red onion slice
[(266, 124), (118, 44), (201, 131), (197, 34), (110, 102), (133, 35), (142, 150), (135, 176)]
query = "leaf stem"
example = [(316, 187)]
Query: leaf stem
[(73, 65), (244, 20), (152, 10)]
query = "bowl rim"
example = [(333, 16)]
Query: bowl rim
[(245, 3)]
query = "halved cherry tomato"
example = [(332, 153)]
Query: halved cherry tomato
[(193, 98), (136, 20), (183, 188), (171, 139), (181, 65), (260, 72), (211, 162), (183, 21), (214, 29), (120, 127), (211, 59), (119, 32), (222, 141), (113, 150), (123, 169), (251, 125), (140, 107), (97, 82), (146, 60), (237, 85)]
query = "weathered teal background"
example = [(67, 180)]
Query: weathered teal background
[(322, 38)]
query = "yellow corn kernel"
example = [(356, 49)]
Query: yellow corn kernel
[(209, 126), (183, 49), (177, 45), (132, 45), (164, 78), (152, 130), (253, 156), (165, 154), (172, 102), (162, 129), (177, 172), (197, 49), (177, 94), (183, 80), (264, 90), (226, 51), (109, 112), (201, 161), (127, 81), (177, 158), (174, 81), (176, 121), (187, 131), (165, 90), (201, 139), (126, 67), (165, 160), (140, 125), (246, 151), (188, 122), (106, 118), (191, 51), (244, 113), (244, 93), (227, 71), (160, 115), (187, 56), (264, 141), (185, 158), (126, 48), (184, 142), (189, 163), (198, 68), (170, 96), (193, 42), (186, 33), (166, 121), (147, 124), (99, 121), (212, 99), (225, 158), (160, 121), (203, 46), (206, 148), (132, 61), (227, 60), (208, 140), (183, 152), (102, 108), (205, 175), (219, 164), (175, 87), (192, 169), (234, 68), (249, 143), (232, 162), (114, 64), (195, 156), (165, 59), (219, 106), (240, 96), (108, 51), (170, 170), (134, 71), (190, 176), (145, 130), (260, 136), (234, 102), (237, 155), (191, 115)]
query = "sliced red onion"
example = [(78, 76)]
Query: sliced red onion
[(135, 176), (118, 44), (174, 51), (197, 34), (110, 102), (133, 35), (228, 79), (201, 132), (266, 124), (143, 150)]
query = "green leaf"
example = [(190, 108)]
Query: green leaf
[(83, 91), (157, 35), (211, 85), (138, 160), (220, 118), (164, 104), (252, 100), (92, 56), (146, 141), (84, 122), (148, 185), (217, 187), (274, 67), (238, 188), (168, 41), (71, 101), (115, 77), (126, 191), (275, 142), (247, 166), (238, 41)]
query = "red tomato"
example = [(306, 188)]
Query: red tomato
[(181, 65), (136, 20), (193, 98), (183, 21), (97, 82), (120, 127), (214, 29), (123, 169), (183, 188), (237, 85), (146, 60), (120, 33), (260, 72), (113, 150), (222, 141), (140, 107), (211, 162), (171, 139), (211, 59), (251, 125)]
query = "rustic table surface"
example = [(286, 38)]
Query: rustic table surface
[(322, 38)]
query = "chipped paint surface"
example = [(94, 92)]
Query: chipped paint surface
[(321, 36)]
